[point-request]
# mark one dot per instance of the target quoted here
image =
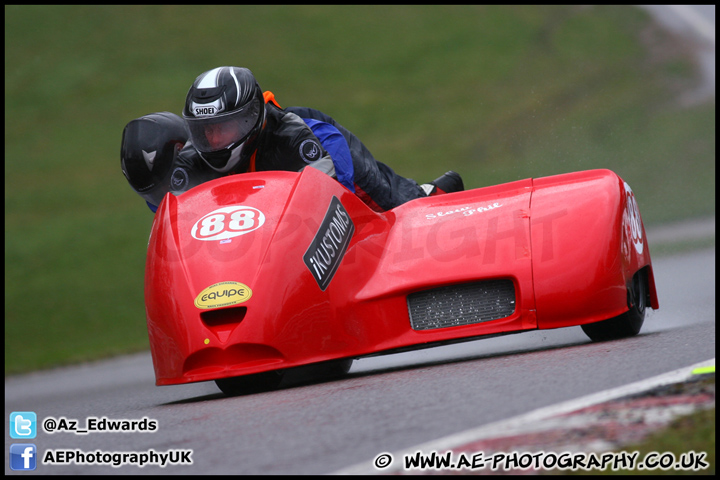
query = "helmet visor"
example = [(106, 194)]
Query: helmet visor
[(218, 132)]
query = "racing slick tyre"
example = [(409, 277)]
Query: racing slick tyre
[(627, 324), (247, 384), (318, 372)]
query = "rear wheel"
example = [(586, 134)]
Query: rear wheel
[(247, 384), (627, 324)]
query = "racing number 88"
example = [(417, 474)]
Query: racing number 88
[(215, 223)]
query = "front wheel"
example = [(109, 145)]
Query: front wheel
[(247, 384), (627, 324)]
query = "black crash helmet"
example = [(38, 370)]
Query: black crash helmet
[(149, 147), (225, 113)]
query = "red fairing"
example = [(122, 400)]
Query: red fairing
[(266, 271), (588, 241)]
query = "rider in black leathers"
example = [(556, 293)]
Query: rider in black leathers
[(235, 128)]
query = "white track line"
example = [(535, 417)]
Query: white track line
[(517, 424), (695, 20)]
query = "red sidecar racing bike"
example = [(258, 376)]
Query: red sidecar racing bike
[(253, 274)]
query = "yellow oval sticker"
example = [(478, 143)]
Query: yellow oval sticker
[(223, 294)]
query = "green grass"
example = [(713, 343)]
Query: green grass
[(674, 248), (689, 433), (692, 433), (496, 93)]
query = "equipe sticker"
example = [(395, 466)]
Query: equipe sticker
[(228, 222), (223, 294)]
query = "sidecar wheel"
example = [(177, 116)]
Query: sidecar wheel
[(627, 324), (248, 384)]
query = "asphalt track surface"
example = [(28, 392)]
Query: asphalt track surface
[(385, 404)]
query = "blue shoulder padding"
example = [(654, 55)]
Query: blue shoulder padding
[(336, 145), (152, 207)]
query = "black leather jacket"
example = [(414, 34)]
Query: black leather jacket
[(288, 143)]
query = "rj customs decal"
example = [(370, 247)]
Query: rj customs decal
[(223, 294), (328, 248), (310, 150), (228, 222)]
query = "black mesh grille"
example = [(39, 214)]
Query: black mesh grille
[(462, 304)]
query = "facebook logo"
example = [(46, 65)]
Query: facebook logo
[(23, 456), (23, 425)]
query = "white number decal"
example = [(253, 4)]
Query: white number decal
[(633, 217), (228, 222), (242, 220), (212, 225)]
